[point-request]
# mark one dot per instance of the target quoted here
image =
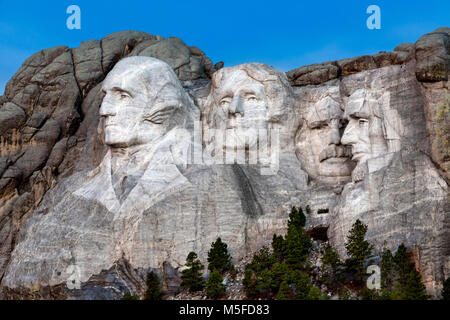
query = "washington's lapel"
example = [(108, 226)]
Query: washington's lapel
[(98, 186)]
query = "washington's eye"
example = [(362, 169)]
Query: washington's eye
[(362, 122)]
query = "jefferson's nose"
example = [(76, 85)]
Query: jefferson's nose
[(236, 106)]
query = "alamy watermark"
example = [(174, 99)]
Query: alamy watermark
[(74, 20), (374, 280), (374, 20)]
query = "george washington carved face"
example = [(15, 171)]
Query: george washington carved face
[(143, 100)]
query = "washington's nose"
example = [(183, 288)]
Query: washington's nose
[(107, 109), (236, 106)]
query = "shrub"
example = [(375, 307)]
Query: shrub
[(233, 272), (129, 296)]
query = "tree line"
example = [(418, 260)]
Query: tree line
[(285, 272)]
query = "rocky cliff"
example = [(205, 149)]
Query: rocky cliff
[(366, 138)]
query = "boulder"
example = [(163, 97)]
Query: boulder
[(11, 117), (432, 55), (313, 74)]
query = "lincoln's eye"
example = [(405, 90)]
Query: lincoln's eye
[(251, 98)]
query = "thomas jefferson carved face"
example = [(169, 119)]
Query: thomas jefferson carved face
[(318, 144), (246, 99), (143, 100)]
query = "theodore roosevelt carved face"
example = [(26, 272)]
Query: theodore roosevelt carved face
[(143, 100), (318, 142)]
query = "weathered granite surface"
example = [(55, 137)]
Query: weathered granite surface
[(363, 138)]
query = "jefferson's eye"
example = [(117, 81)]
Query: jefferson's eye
[(224, 102)]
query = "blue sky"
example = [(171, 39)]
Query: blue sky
[(284, 34)]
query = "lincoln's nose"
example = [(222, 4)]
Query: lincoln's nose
[(349, 132)]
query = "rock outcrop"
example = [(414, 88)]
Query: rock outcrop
[(363, 138)]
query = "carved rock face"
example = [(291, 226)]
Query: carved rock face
[(373, 129), (106, 223), (318, 142), (143, 100), (245, 100)]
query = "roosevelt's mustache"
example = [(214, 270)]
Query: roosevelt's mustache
[(334, 151)]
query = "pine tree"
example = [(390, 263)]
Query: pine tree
[(279, 247), (284, 291), (280, 273), (214, 287), (297, 247), (331, 258), (191, 277), (314, 294), (446, 289), (263, 283), (153, 291), (409, 285), (263, 259), (331, 262), (249, 283), (414, 289), (297, 218), (359, 250), (387, 271), (218, 256), (403, 262), (302, 283)]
